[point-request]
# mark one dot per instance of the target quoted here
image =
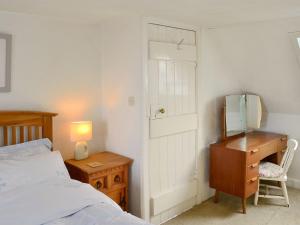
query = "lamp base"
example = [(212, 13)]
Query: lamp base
[(81, 150)]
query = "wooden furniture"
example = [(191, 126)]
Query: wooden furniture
[(22, 126), (234, 162), (110, 178), (270, 172)]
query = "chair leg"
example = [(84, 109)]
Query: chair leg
[(285, 194), (256, 195)]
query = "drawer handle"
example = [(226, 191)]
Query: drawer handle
[(254, 151), (253, 179), (283, 138), (117, 179), (253, 165), (98, 184)]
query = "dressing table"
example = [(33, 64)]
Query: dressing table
[(234, 161)]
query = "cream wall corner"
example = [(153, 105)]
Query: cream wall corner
[(121, 78), (55, 67)]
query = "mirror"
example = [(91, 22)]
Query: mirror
[(242, 113)]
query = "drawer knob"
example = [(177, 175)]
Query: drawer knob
[(253, 179), (254, 151), (117, 179), (98, 184), (254, 165)]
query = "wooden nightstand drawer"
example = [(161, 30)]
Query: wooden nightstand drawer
[(100, 183), (111, 177), (117, 178), (119, 197)]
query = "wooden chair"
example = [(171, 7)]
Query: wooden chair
[(272, 172)]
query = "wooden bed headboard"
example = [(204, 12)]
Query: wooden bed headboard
[(21, 126)]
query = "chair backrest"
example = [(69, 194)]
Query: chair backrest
[(288, 156)]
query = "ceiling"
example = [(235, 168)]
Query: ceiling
[(196, 12)]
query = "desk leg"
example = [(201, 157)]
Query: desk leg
[(279, 156), (216, 198), (244, 201)]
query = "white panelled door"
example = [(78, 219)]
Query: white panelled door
[(173, 121)]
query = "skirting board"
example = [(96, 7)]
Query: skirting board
[(173, 212), (173, 197), (293, 183)]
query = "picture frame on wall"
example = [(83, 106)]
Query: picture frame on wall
[(5, 62)]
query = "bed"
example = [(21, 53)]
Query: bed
[(35, 187)]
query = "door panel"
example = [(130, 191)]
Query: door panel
[(172, 125), (173, 121), (172, 85), (168, 51)]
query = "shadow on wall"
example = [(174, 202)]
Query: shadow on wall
[(264, 116)]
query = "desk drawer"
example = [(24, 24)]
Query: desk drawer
[(253, 156), (282, 143), (268, 149), (251, 186), (252, 170)]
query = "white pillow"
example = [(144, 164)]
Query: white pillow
[(24, 152), (31, 170), (19, 147)]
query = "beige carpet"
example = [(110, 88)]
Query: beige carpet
[(228, 212)]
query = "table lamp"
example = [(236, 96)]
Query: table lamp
[(81, 132)]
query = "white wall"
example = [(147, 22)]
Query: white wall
[(122, 78), (81, 72), (254, 57), (55, 67), (287, 124)]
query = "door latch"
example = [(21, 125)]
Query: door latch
[(162, 110)]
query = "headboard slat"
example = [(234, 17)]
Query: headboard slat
[(14, 135), (5, 136), (29, 133), (22, 121), (22, 131), (36, 132)]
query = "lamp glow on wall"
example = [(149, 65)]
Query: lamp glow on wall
[(81, 132)]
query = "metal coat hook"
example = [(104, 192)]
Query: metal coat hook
[(179, 43)]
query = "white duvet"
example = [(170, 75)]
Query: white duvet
[(61, 202)]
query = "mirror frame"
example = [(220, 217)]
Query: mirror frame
[(224, 127)]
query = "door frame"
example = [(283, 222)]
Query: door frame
[(145, 184)]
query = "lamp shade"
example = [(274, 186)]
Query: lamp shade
[(81, 131)]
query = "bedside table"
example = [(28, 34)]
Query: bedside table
[(111, 177)]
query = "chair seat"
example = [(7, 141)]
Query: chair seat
[(270, 170)]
